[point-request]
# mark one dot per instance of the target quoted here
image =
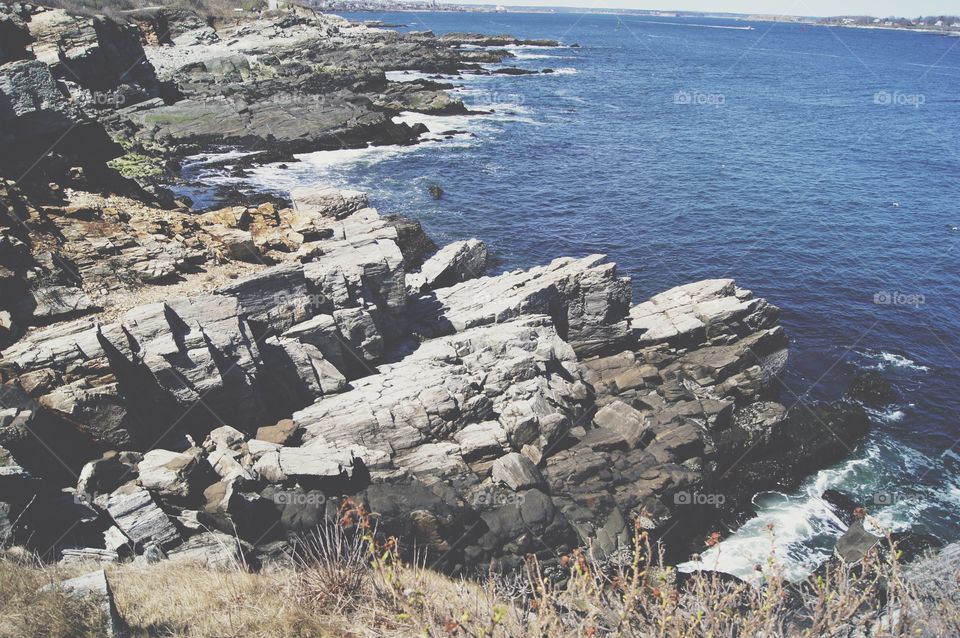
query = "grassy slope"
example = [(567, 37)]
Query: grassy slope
[(360, 587)]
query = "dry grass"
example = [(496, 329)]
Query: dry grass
[(25, 611), (355, 585)]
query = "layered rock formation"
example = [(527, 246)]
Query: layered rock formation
[(172, 377), (489, 417)]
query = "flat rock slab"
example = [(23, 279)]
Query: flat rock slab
[(855, 543)]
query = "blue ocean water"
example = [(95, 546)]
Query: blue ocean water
[(817, 166)]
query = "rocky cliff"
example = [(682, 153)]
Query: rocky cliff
[(171, 376)]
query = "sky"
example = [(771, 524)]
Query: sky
[(881, 8)]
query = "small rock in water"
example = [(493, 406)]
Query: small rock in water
[(872, 389), (435, 191), (841, 504)]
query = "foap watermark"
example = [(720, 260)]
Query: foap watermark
[(492, 499), (500, 100), (299, 498), (699, 498), (896, 98), (881, 499), (896, 298), (699, 98), (108, 99), (298, 98), (313, 301)]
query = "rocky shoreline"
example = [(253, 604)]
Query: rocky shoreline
[(175, 379)]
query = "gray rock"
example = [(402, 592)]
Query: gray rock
[(14, 38), (94, 584), (224, 438), (586, 299), (324, 461), (310, 202), (56, 302), (452, 264), (170, 474), (138, 516), (516, 472), (104, 475), (619, 426), (214, 550), (73, 557), (710, 311), (855, 543)]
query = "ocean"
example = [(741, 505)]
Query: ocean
[(816, 166)]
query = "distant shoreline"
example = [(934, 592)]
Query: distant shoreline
[(626, 12)]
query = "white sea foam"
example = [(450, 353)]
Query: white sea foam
[(785, 526), (884, 360), (411, 76), (890, 415), (207, 158)]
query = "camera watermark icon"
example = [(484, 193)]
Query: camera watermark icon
[(299, 498), (895, 298), (892, 498), (896, 98), (698, 98), (82, 498), (490, 499), (698, 498)]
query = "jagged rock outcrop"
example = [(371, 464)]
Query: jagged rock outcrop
[(173, 380), (532, 405), (586, 298), (36, 116), (452, 264), (106, 58)]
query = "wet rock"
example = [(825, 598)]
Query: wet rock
[(842, 505), (871, 388)]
